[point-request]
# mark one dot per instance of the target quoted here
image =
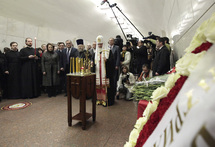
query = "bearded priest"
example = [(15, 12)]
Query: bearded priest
[(104, 74), (81, 50)]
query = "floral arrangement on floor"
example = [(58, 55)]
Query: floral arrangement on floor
[(144, 92), (163, 96)]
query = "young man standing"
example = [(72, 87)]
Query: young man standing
[(161, 64), (29, 74)]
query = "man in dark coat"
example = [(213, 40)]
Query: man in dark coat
[(116, 57), (59, 51), (29, 72), (161, 64), (92, 52), (68, 52), (13, 71), (141, 55)]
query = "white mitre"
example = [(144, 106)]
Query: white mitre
[(99, 39)]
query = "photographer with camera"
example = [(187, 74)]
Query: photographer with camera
[(125, 84)]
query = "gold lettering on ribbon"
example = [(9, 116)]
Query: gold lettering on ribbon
[(180, 120), (204, 85), (164, 144), (205, 135), (212, 71), (171, 134), (189, 95), (158, 142), (178, 116), (177, 127), (165, 136), (171, 128)]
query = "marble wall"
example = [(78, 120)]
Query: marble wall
[(183, 40), (182, 18), (14, 30)]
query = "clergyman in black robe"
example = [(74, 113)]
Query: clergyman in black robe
[(82, 53), (29, 74), (13, 72), (2, 76)]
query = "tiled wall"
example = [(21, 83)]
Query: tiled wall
[(181, 19), (184, 40), (14, 30)]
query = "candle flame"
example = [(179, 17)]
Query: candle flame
[(35, 38)]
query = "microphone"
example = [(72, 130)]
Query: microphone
[(113, 5), (103, 2)]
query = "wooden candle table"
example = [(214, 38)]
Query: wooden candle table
[(81, 86)]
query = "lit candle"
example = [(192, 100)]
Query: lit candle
[(35, 51), (70, 64), (73, 65), (79, 64), (76, 63)]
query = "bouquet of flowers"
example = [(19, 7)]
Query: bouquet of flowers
[(143, 90)]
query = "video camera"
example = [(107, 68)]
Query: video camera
[(131, 39)]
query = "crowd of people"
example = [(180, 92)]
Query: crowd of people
[(29, 72)]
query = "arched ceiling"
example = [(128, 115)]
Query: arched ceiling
[(84, 19)]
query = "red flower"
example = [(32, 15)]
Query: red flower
[(158, 114), (154, 118), (204, 47)]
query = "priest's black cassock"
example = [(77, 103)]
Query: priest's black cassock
[(13, 65), (2, 75), (81, 54), (29, 74)]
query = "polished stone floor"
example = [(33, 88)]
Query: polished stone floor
[(44, 124)]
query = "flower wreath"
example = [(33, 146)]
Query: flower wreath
[(163, 96)]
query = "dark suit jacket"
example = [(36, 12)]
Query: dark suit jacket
[(93, 69), (73, 53), (142, 55), (116, 55), (91, 51), (60, 55), (161, 62)]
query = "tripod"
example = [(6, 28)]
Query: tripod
[(115, 5), (111, 6)]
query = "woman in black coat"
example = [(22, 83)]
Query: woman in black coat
[(51, 70)]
